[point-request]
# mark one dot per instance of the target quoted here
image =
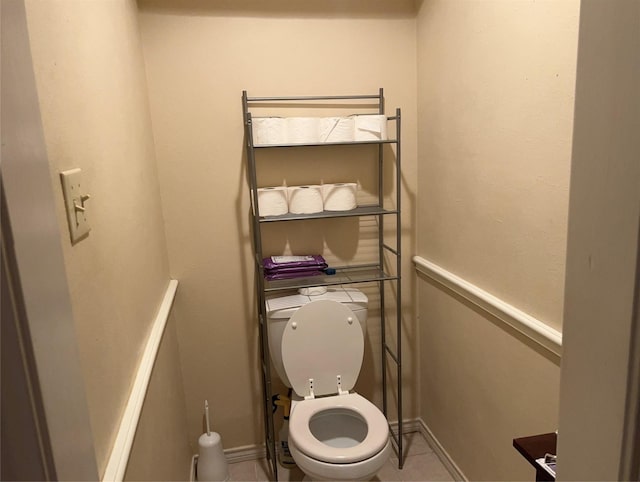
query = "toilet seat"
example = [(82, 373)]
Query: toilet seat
[(322, 349), (375, 441)]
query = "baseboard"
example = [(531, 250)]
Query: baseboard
[(192, 469), (408, 426), (234, 455), (247, 452), (418, 425), (440, 451), (256, 452)]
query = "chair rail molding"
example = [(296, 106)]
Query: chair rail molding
[(534, 329), (119, 458)]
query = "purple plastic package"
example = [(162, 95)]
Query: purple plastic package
[(275, 275), (287, 263), (287, 267)]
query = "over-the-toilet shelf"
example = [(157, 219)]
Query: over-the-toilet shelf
[(274, 204)]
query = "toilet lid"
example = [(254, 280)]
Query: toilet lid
[(322, 340)]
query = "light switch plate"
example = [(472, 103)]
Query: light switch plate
[(75, 198)]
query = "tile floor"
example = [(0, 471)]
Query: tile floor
[(421, 464)]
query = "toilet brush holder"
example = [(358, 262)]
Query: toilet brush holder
[(212, 464)]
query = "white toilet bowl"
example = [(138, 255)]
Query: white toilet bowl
[(341, 437)]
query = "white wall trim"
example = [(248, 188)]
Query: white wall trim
[(408, 426), (119, 458), (440, 451), (244, 453), (255, 452), (418, 425), (526, 324), (237, 454), (192, 468)]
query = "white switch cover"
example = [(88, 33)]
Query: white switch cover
[(75, 200)]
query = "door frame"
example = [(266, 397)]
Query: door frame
[(32, 243)]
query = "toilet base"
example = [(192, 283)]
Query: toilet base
[(358, 471)]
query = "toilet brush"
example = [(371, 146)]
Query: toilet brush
[(212, 464)]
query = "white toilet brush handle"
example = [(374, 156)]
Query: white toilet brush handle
[(206, 416)]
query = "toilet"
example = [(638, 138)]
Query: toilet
[(317, 346)]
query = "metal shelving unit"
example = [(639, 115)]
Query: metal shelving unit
[(380, 272)]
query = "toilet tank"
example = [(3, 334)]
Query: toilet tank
[(281, 308)]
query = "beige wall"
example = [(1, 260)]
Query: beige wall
[(92, 89), (495, 89), (200, 56), (160, 448)]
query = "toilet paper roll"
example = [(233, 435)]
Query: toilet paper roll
[(303, 130), (269, 130), (337, 129), (272, 201), (370, 128), (340, 196), (305, 199)]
